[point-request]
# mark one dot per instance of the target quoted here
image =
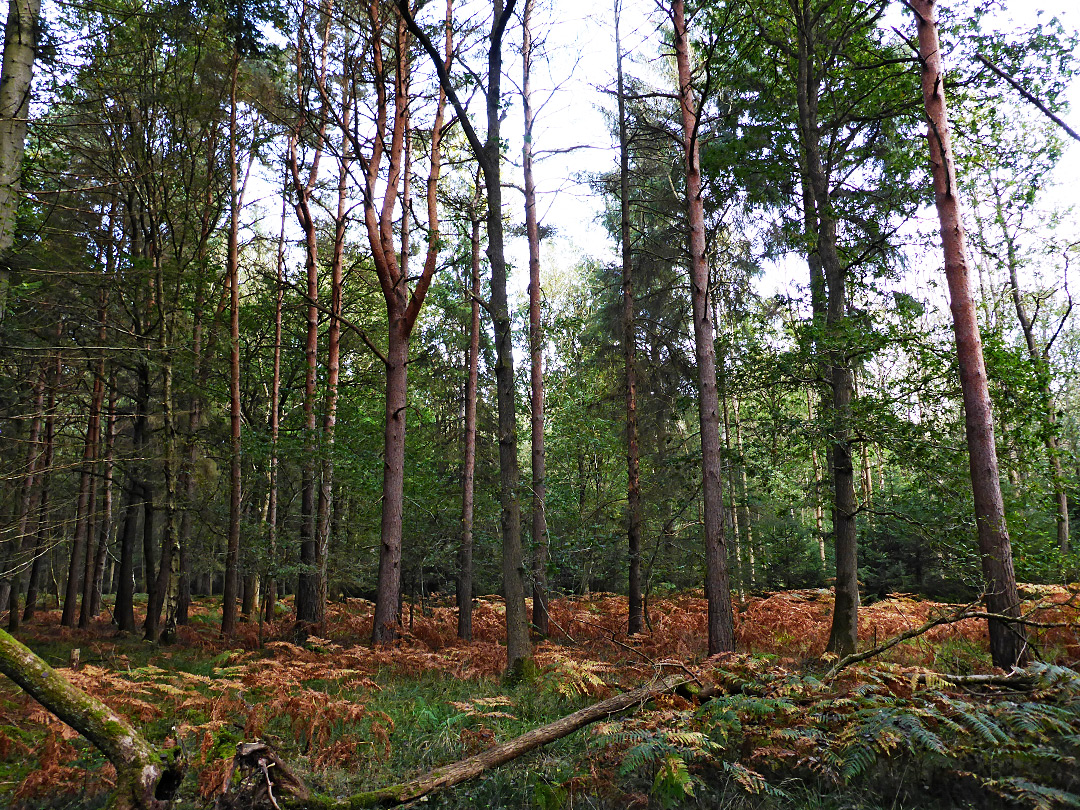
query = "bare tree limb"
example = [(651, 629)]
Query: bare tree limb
[(1028, 95)]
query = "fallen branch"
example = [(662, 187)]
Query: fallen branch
[(146, 778), (959, 616), (1017, 679), (292, 794)]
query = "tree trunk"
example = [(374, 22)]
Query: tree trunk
[(488, 154), (717, 585), (1040, 362), (829, 281), (307, 585), (16, 75), (29, 500), (468, 474), (387, 612), (87, 483), (458, 772), (232, 549), (635, 613), (536, 339), (105, 525), (1008, 644)]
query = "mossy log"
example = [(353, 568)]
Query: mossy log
[(146, 778), (266, 776)]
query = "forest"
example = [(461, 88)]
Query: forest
[(378, 428)]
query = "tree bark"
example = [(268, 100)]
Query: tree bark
[(87, 482), (232, 549), (1040, 360), (635, 611), (29, 499), (829, 279), (717, 585), (468, 474), (105, 525), (16, 75), (1008, 643), (536, 339), (307, 586)]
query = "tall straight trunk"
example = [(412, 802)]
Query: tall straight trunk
[(635, 602), (232, 549), (307, 585), (536, 338), (270, 599), (16, 75), (819, 514), (168, 582), (488, 155), (87, 482), (44, 527), (91, 546), (125, 574), (468, 473), (387, 615), (29, 499), (333, 362), (105, 525), (746, 529), (1040, 361), (717, 585), (827, 267), (1008, 643)]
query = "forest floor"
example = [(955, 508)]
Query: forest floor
[(347, 717)]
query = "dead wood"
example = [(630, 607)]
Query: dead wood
[(146, 777), (959, 616), (266, 779)]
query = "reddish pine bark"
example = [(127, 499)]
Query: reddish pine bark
[(1008, 644)]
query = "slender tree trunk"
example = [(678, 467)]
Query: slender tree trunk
[(635, 602), (819, 513), (488, 154), (536, 338), (270, 600), (468, 475), (105, 525), (717, 585), (96, 403), (16, 75), (232, 550), (333, 354), (87, 482), (1040, 362), (1008, 644), (29, 500), (827, 270), (44, 526)]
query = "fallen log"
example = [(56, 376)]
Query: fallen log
[(266, 783), (146, 778)]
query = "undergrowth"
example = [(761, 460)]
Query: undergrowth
[(348, 717)]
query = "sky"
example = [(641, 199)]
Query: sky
[(580, 40)]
